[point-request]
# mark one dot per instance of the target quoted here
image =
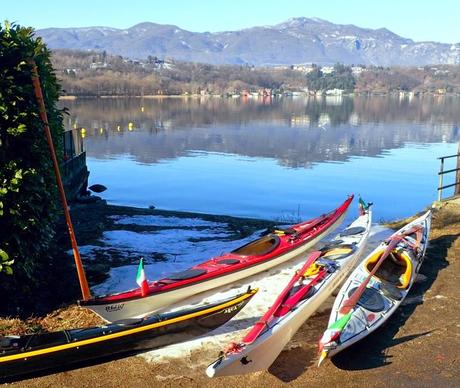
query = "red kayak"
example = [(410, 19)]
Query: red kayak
[(266, 252)]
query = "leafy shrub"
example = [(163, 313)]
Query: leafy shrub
[(28, 195)]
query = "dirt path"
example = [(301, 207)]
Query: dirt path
[(419, 346)]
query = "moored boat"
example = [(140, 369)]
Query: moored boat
[(20, 355), (310, 286), (250, 259), (376, 288)]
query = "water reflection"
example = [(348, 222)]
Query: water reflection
[(295, 131)]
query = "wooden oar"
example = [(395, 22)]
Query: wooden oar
[(263, 322), (42, 111), (351, 302)]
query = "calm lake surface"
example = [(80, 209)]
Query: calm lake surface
[(283, 159)]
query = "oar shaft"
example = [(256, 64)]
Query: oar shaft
[(292, 301), (263, 322), (43, 116), (394, 240), (354, 298)]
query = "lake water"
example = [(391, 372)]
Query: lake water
[(282, 159)]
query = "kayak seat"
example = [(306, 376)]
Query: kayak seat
[(229, 261), (187, 274), (260, 247), (331, 244), (396, 268), (338, 252), (352, 231), (282, 232)]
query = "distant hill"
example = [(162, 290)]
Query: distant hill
[(298, 40)]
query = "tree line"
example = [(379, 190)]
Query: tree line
[(98, 73)]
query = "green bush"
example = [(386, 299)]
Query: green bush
[(29, 206)]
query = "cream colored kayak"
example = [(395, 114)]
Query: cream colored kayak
[(321, 274), (376, 288)]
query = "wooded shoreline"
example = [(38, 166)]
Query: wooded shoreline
[(101, 74)]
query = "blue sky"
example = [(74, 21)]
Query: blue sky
[(419, 20)]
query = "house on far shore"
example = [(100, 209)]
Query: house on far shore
[(327, 69), (73, 168), (304, 68)]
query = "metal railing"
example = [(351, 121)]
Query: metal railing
[(442, 172)]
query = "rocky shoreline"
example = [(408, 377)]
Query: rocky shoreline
[(92, 220)]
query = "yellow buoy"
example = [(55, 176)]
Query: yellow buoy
[(130, 126)]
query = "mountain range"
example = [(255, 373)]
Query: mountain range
[(296, 41)]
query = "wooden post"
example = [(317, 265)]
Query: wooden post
[(41, 103)]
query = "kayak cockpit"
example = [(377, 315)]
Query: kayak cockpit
[(260, 247), (13, 344), (331, 255), (396, 269), (25, 343)]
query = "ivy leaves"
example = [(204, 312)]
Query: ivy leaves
[(5, 263)]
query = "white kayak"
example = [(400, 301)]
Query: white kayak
[(376, 288), (321, 274)]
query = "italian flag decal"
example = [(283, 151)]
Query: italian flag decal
[(333, 332), (341, 323), (141, 280)]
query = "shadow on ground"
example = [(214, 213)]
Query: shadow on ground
[(292, 362), (371, 352)]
